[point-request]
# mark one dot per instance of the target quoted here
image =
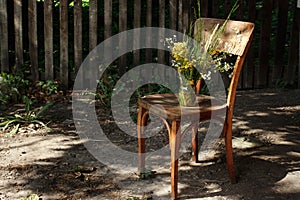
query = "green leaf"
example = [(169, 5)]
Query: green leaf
[(7, 123), (43, 109), (145, 174), (13, 131), (17, 116)]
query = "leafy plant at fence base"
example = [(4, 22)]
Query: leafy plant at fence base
[(29, 117), (12, 87), (48, 87)]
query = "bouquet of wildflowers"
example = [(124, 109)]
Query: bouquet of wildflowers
[(190, 59), (196, 59), (192, 63)]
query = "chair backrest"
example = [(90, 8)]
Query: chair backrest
[(236, 40)]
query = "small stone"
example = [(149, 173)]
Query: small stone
[(32, 126)]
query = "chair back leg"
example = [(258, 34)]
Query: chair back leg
[(195, 143)]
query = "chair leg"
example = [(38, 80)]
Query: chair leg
[(175, 146), (195, 144), (229, 154), (141, 123)]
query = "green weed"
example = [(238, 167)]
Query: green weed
[(29, 117)]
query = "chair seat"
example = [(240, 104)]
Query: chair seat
[(167, 106)]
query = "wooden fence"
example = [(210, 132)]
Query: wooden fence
[(48, 37)]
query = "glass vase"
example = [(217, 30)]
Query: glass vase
[(186, 94)]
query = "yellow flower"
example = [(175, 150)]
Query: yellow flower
[(213, 52), (191, 82)]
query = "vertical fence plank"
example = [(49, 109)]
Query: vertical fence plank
[(93, 9), (290, 72), (240, 16), (173, 17), (149, 24), (241, 10), (123, 40), (193, 8), (180, 15), (283, 7), (77, 34), (107, 30), (265, 44), (227, 7), (33, 40), (173, 14), (298, 14), (215, 8), (204, 8), (186, 16), (48, 38), (107, 18), (18, 34), (249, 66), (161, 23), (136, 24), (4, 37), (64, 64)]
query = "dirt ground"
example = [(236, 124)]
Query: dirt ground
[(54, 164)]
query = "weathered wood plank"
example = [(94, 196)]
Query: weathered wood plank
[(227, 7), (173, 18), (180, 15), (290, 72), (186, 16), (33, 40), (107, 18), (18, 34), (241, 10), (249, 68), (298, 14), (4, 60), (123, 40), (48, 38), (173, 14), (161, 23), (204, 8), (64, 58), (93, 9), (264, 51), (283, 7), (215, 8), (77, 34), (136, 24), (149, 24), (108, 6)]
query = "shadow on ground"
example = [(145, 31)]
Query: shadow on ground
[(56, 165)]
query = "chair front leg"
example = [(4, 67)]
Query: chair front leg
[(174, 146), (141, 123), (228, 144)]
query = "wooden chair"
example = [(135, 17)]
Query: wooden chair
[(170, 111)]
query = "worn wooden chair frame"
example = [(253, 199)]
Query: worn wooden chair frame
[(172, 121)]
